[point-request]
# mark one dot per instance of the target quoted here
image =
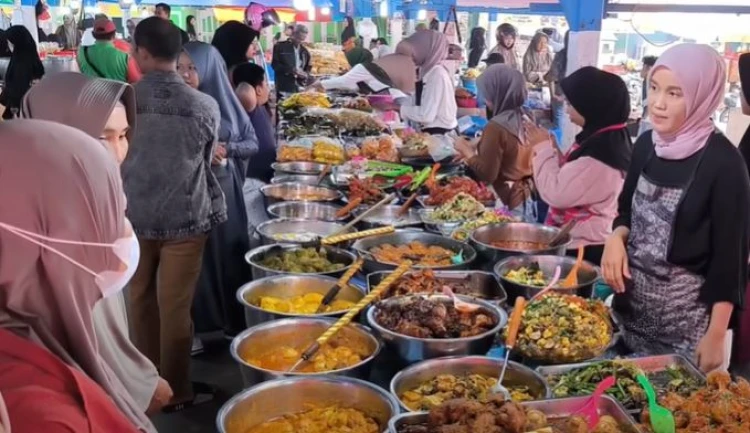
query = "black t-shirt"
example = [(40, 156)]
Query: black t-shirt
[(710, 234)]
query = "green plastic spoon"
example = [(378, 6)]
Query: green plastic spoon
[(662, 420)]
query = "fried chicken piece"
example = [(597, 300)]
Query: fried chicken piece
[(535, 420), (672, 401), (718, 380), (681, 419), (741, 387), (698, 423), (607, 424), (511, 416), (576, 424)]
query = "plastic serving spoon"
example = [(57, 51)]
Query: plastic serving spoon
[(572, 279), (662, 420), (590, 409), (510, 341), (552, 282), (464, 307)]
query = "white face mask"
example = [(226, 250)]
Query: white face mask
[(109, 282)]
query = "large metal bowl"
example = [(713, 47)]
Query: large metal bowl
[(288, 286), (588, 274), (275, 193), (483, 236), (306, 210), (410, 349), (298, 333), (363, 246), (307, 179), (388, 215), (516, 374), (281, 397), (484, 285), (270, 230), (298, 167), (336, 255)]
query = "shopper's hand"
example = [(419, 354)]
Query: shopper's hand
[(710, 352), (221, 150), (466, 149), (536, 135), (615, 266), (162, 395)]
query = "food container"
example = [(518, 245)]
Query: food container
[(308, 230), (288, 286), (554, 409), (588, 274), (649, 365), (388, 215), (307, 179), (281, 397), (298, 167), (441, 227), (422, 200), (516, 374), (483, 285), (254, 257), (482, 237), (410, 349), (298, 332), (275, 193), (363, 246), (306, 210)]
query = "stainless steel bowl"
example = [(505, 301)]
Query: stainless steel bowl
[(484, 285), (306, 210), (336, 255), (388, 215), (483, 236), (270, 231), (298, 192), (298, 167), (588, 274), (277, 398), (516, 374), (444, 228), (307, 179), (299, 333), (410, 349), (287, 286), (363, 246)]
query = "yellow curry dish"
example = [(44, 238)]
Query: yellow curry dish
[(306, 304), (331, 419), (444, 387)]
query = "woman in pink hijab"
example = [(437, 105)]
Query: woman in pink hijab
[(678, 255), (71, 249)]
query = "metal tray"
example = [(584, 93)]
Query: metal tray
[(649, 364), (484, 285), (558, 408)]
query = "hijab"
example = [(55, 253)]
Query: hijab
[(70, 31), (235, 126), (533, 59), (24, 66), (701, 73), (79, 101), (505, 87), (428, 49), (358, 55), (233, 39), (603, 100), (44, 298), (396, 70), (477, 45), (349, 31), (744, 69)]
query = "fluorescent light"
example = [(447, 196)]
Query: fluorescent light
[(384, 9), (75, 4), (311, 14), (325, 11), (302, 5), (422, 15)]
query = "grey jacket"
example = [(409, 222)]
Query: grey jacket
[(172, 192)]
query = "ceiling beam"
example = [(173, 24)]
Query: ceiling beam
[(698, 9)]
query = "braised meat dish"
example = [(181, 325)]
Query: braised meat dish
[(421, 317)]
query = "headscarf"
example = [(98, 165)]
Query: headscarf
[(24, 66), (744, 69), (535, 61), (70, 30), (191, 28), (603, 100), (506, 29), (43, 297), (701, 73), (399, 68), (505, 88), (235, 126), (428, 48), (349, 31), (79, 101), (477, 45), (358, 55), (232, 39)]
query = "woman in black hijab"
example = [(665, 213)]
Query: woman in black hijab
[(585, 183), (744, 68), (348, 33), (234, 41), (477, 45), (23, 70)]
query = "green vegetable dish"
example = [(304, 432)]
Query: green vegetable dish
[(583, 381), (529, 276), (302, 261)]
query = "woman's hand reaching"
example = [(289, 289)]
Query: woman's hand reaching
[(465, 148), (536, 135), (615, 268)]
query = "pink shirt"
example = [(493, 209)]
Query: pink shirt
[(582, 182)]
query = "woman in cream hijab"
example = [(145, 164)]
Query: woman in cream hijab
[(105, 110)]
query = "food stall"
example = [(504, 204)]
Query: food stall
[(392, 289)]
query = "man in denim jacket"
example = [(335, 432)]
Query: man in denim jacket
[(174, 200)]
